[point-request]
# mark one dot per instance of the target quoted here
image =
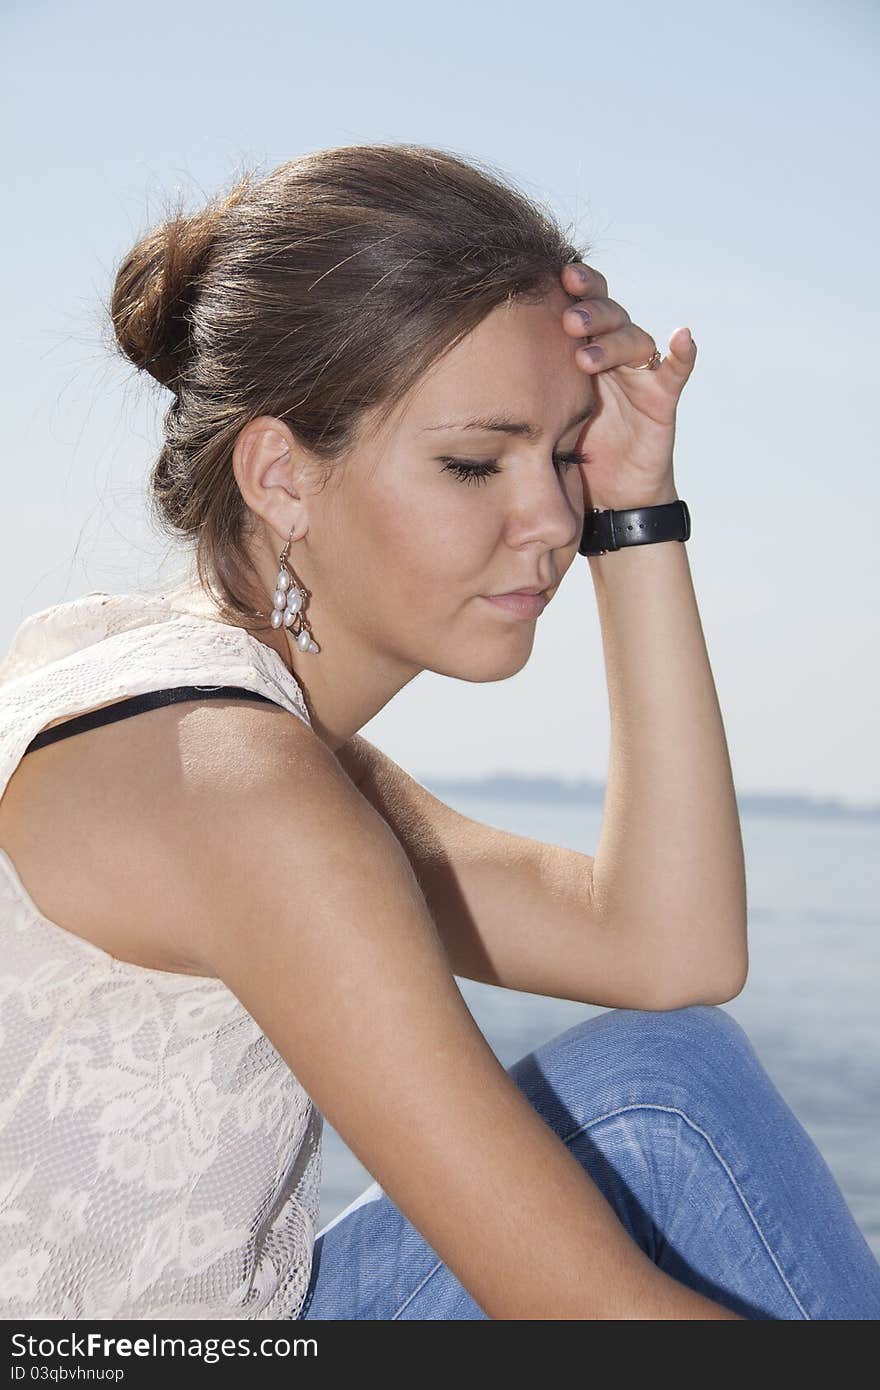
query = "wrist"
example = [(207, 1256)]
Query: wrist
[(663, 517), (644, 497)]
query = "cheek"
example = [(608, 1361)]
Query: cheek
[(391, 565), (419, 549), (426, 536)]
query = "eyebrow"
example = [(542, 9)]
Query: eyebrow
[(504, 425)]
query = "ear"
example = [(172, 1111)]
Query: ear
[(264, 461)]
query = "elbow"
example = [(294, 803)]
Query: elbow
[(719, 989), (728, 989), (733, 980), (685, 999)]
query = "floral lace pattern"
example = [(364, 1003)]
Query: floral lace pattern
[(158, 1159)]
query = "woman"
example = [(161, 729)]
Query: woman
[(224, 923)]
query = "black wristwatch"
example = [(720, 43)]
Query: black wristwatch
[(610, 530)]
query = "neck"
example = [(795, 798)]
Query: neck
[(344, 685)]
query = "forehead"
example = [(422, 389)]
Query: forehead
[(517, 364)]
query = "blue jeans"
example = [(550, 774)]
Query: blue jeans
[(674, 1118)]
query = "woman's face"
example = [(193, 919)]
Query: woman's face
[(403, 551)]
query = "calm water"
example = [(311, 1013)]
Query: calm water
[(810, 1005)]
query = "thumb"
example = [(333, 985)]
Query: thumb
[(682, 352), (679, 361)]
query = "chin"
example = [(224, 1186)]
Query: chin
[(487, 665)]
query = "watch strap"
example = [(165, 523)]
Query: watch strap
[(612, 530)]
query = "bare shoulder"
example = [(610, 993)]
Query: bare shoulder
[(88, 821), (248, 801), (259, 805)]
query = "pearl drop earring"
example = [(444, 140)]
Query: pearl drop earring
[(288, 602)]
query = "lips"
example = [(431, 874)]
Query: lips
[(520, 605)]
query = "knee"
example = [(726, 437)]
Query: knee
[(677, 1042), (667, 1034), (629, 1056), (705, 1028)]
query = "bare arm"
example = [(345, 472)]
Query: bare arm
[(669, 870), (301, 899), (519, 913)]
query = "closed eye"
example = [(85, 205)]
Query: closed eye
[(471, 470)]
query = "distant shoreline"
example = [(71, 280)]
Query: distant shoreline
[(555, 790)]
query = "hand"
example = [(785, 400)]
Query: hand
[(627, 444)]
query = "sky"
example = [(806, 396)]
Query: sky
[(718, 161)]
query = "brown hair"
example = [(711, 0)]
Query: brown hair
[(313, 294)]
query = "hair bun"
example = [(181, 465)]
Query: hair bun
[(155, 286)]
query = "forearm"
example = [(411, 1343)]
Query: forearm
[(669, 870)]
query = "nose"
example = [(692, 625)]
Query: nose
[(542, 510)]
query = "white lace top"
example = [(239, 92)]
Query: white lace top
[(158, 1159)]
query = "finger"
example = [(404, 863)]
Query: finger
[(679, 361), (592, 318), (625, 346), (682, 351), (583, 281)]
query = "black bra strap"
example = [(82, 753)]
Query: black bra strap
[(138, 703)]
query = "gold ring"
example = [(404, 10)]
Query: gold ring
[(651, 365)]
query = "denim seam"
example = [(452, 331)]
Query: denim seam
[(417, 1289), (674, 1110)]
